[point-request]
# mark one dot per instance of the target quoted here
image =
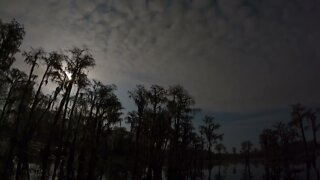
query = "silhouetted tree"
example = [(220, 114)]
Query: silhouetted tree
[(139, 96), (107, 113), (212, 137), (15, 79), (180, 109), (219, 148), (159, 125), (52, 63), (299, 115), (32, 57), (77, 63), (11, 35), (234, 150), (246, 148)]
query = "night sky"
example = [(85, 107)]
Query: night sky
[(244, 61)]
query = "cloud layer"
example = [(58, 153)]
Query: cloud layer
[(232, 55)]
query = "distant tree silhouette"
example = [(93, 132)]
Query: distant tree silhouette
[(311, 116), (286, 136), (246, 148), (208, 129), (219, 148), (269, 142), (299, 115), (234, 150), (277, 146)]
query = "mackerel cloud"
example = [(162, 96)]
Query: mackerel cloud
[(232, 55)]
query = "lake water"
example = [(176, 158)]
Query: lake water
[(227, 172), (237, 172)]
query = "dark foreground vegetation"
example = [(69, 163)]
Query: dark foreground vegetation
[(76, 132)]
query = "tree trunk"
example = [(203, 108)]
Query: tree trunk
[(47, 148), (6, 103), (14, 139)]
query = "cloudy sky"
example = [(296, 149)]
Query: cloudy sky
[(244, 61)]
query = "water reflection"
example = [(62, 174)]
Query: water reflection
[(232, 171), (257, 171)]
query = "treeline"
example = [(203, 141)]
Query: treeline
[(74, 132), (287, 144)]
